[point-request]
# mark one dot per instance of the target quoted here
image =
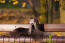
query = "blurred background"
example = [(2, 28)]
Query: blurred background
[(53, 11), (20, 11)]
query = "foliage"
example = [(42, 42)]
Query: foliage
[(43, 11), (11, 4)]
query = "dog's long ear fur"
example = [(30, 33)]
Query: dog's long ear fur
[(41, 27), (21, 30)]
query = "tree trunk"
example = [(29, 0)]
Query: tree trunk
[(33, 9)]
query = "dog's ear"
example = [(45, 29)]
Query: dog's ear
[(33, 27), (41, 27), (20, 29)]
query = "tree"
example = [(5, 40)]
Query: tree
[(33, 9), (43, 14)]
